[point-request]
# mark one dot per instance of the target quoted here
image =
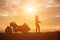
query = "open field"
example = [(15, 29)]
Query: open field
[(31, 36)]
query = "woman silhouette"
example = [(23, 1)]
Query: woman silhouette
[(37, 24)]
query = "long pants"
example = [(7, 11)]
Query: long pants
[(37, 29)]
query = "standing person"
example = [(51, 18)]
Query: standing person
[(37, 24)]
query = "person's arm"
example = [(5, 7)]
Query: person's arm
[(39, 22)]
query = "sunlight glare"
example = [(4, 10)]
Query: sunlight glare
[(30, 10)]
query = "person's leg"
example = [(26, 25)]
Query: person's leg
[(39, 29), (36, 29)]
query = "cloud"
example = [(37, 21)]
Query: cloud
[(7, 5), (13, 7), (57, 1), (52, 21)]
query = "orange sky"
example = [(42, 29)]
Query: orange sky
[(17, 10)]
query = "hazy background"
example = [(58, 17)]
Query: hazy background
[(48, 12)]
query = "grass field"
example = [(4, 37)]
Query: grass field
[(31, 36)]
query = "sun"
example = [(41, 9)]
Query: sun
[(30, 10)]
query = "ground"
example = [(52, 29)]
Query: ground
[(31, 36)]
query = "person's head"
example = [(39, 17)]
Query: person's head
[(12, 23), (24, 23)]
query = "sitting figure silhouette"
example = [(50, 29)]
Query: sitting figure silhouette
[(14, 25)]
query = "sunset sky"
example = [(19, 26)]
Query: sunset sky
[(24, 11)]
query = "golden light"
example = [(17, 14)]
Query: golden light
[(30, 10)]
